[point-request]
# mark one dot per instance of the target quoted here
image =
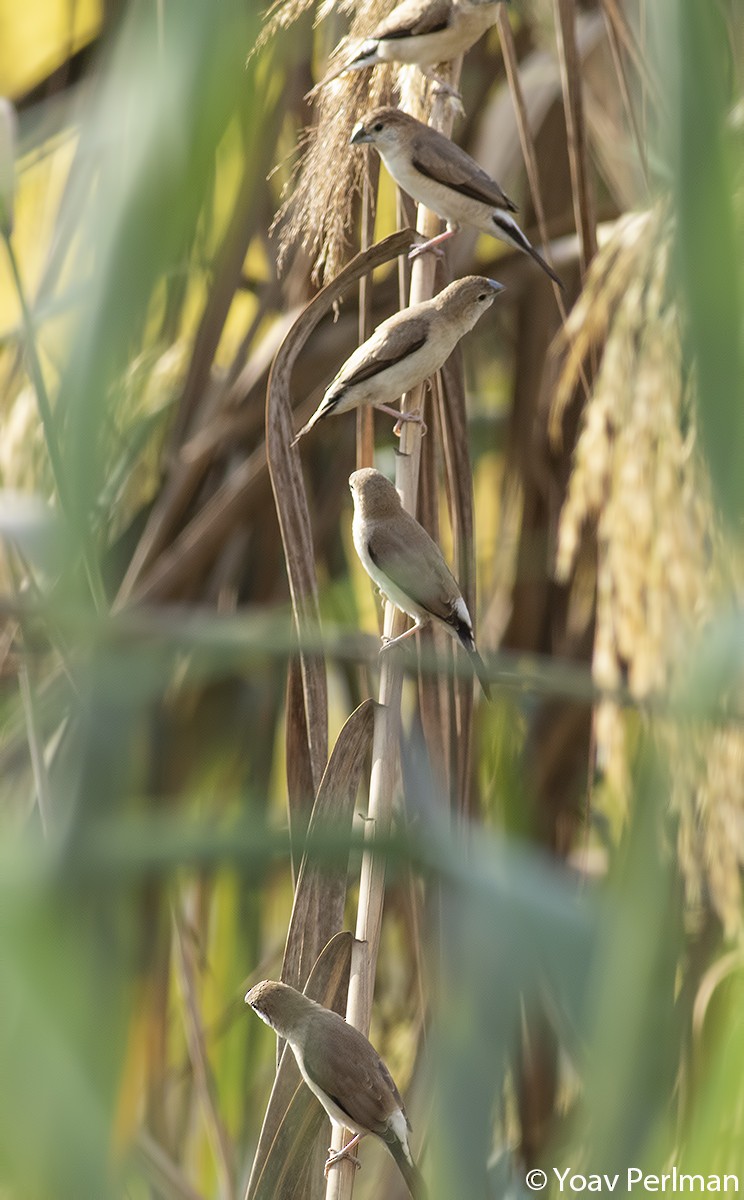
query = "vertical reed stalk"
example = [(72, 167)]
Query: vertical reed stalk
[(568, 57), (387, 716)]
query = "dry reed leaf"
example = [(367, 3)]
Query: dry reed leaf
[(177, 570), (320, 894), (294, 1118), (204, 1083), (165, 1177), (583, 197), (287, 1174), (458, 470), (433, 689), (289, 492), (300, 787)]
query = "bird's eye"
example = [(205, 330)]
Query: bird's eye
[(483, 296), (378, 127)]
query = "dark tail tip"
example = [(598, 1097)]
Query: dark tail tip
[(413, 1177), (546, 268), (480, 669)]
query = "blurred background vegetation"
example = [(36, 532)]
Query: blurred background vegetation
[(560, 978)]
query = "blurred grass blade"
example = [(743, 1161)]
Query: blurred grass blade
[(709, 252), (30, 524)]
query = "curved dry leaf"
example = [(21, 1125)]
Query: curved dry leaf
[(291, 501), (459, 479), (320, 895)]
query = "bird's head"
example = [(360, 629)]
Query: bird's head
[(383, 128), (374, 495), (471, 295), (280, 1006)]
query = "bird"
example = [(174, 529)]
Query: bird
[(408, 566), (444, 178), (406, 349), (343, 1069), (424, 33)]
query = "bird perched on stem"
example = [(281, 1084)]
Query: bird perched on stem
[(441, 176), (344, 1071), (406, 349), (424, 33), (407, 565)]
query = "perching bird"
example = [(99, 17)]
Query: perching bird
[(407, 565), (441, 176), (406, 349), (344, 1071), (423, 32)]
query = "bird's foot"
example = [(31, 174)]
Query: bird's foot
[(424, 248), (336, 1156), (414, 418), (450, 94), (388, 642)]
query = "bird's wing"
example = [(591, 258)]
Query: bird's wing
[(429, 583), (413, 18), (387, 346), (359, 1083), (446, 163)]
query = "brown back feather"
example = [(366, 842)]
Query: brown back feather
[(408, 20), (431, 585), (353, 1075), (445, 162)]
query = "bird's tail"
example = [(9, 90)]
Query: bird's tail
[(513, 234), (480, 669), (533, 253), (410, 1172), (308, 425), (366, 56), (464, 633)]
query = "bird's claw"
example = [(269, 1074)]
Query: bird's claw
[(414, 418), (335, 1156), (449, 93), (424, 248)]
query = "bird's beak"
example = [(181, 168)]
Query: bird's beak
[(359, 134), (497, 287)]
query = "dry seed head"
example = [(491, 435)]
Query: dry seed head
[(279, 15), (663, 564), (318, 214)]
